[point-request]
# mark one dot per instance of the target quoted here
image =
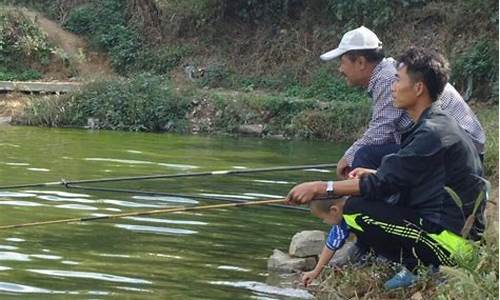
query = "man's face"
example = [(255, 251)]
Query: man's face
[(351, 70), (403, 90)]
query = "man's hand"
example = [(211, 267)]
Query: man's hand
[(358, 172), (305, 192), (308, 277), (343, 168)]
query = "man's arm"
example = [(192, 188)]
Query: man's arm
[(307, 191), (382, 126)]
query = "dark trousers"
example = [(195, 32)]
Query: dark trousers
[(370, 156), (396, 232)]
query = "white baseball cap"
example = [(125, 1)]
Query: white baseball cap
[(358, 39)]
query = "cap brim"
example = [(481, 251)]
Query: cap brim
[(332, 54)]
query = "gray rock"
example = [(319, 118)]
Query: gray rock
[(5, 120), (254, 129), (282, 262), (307, 243)]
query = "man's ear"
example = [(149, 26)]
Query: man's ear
[(419, 88), (361, 62)]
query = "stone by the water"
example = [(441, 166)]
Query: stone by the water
[(282, 262), (307, 243)]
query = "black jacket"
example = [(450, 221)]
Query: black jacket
[(435, 153)]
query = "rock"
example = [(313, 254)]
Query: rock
[(92, 123), (5, 120), (282, 262), (254, 129), (307, 243), (349, 253)]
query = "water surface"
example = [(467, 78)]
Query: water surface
[(212, 254)]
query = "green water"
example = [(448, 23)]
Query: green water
[(212, 254)]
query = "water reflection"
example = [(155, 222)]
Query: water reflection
[(90, 275)]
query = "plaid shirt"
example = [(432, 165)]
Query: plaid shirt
[(387, 122), (383, 126)]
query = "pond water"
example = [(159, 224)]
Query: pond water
[(209, 254)]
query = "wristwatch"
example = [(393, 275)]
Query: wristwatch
[(329, 189)]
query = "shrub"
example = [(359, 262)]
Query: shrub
[(326, 86), (373, 14), (142, 103), (341, 120), (476, 70)]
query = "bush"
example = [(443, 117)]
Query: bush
[(21, 41), (326, 86), (476, 70), (19, 74), (373, 14), (339, 121), (142, 103)]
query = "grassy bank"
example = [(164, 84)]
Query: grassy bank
[(151, 103)]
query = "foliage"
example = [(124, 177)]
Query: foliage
[(373, 14), (488, 116), (19, 74), (141, 103), (478, 67), (21, 40), (327, 86)]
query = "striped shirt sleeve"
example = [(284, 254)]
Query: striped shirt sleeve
[(337, 236)]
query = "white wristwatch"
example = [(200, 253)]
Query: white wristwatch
[(329, 189)]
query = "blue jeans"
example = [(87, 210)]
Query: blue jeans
[(370, 156)]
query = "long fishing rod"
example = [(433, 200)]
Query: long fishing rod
[(167, 176), (149, 193), (144, 213)]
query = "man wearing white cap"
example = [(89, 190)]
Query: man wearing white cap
[(363, 64)]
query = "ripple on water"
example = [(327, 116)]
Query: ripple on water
[(9, 255), (129, 203), (21, 288), (77, 206), (266, 289), (90, 275), (8, 247), (156, 230), (60, 194), (141, 162), (167, 221), (45, 256), (14, 239), (228, 196), (66, 199), (263, 195), (2, 268), (232, 268), (20, 203), (16, 195), (38, 169), (166, 199)]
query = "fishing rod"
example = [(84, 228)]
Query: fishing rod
[(168, 176), (145, 213), (139, 192)]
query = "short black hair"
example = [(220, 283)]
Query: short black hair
[(371, 55), (324, 205), (428, 66)]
